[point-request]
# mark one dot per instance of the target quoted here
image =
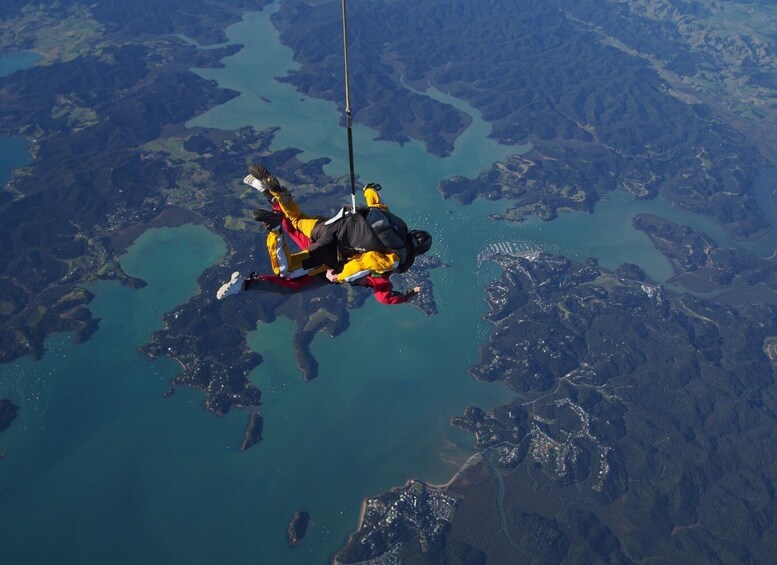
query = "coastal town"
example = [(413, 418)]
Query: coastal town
[(416, 513)]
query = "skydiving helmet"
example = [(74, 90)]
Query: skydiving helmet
[(420, 241)]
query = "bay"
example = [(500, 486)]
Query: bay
[(13, 151), (17, 60), (95, 445), (13, 154)]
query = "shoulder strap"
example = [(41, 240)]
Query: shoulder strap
[(389, 228)]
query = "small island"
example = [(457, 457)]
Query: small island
[(8, 413), (298, 527), (253, 434)]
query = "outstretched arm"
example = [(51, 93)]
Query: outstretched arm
[(384, 292), (394, 297)]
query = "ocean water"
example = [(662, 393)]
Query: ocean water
[(101, 469), (95, 446)]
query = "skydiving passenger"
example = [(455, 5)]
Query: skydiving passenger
[(361, 249)]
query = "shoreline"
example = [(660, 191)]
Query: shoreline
[(472, 460), (171, 217)]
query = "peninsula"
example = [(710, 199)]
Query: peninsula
[(631, 395)]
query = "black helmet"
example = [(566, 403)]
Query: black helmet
[(420, 241), (373, 185)]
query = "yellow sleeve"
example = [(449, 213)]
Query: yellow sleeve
[(371, 262), (373, 199), (277, 252)]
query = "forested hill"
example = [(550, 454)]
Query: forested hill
[(613, 97)]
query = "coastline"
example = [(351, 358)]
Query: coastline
[(472, 460), (171, 217)]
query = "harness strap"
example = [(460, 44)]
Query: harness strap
[(338, 216), (348, 120)]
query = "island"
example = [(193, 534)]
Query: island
[(298, 527), (253, 433), (8, 413)]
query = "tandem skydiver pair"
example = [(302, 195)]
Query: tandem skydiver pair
[(362, 247)]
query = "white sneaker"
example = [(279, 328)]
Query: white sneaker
[(254, 182), (233, 286)]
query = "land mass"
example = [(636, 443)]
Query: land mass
[(615, 115), (646, 413), (253, 433), (126, 162), (298, 527), (8, 413), (703, 267), (92, 131), (636, 417)]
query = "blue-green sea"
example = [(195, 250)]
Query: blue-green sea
[(100, 468)]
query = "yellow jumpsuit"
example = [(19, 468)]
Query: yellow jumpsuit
[(289, 265)]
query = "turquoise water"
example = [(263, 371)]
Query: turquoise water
[(13, 151), (97, 457), (102, 469), (16, 61)]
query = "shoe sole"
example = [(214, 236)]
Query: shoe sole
[(222, 291), (259, 171)]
